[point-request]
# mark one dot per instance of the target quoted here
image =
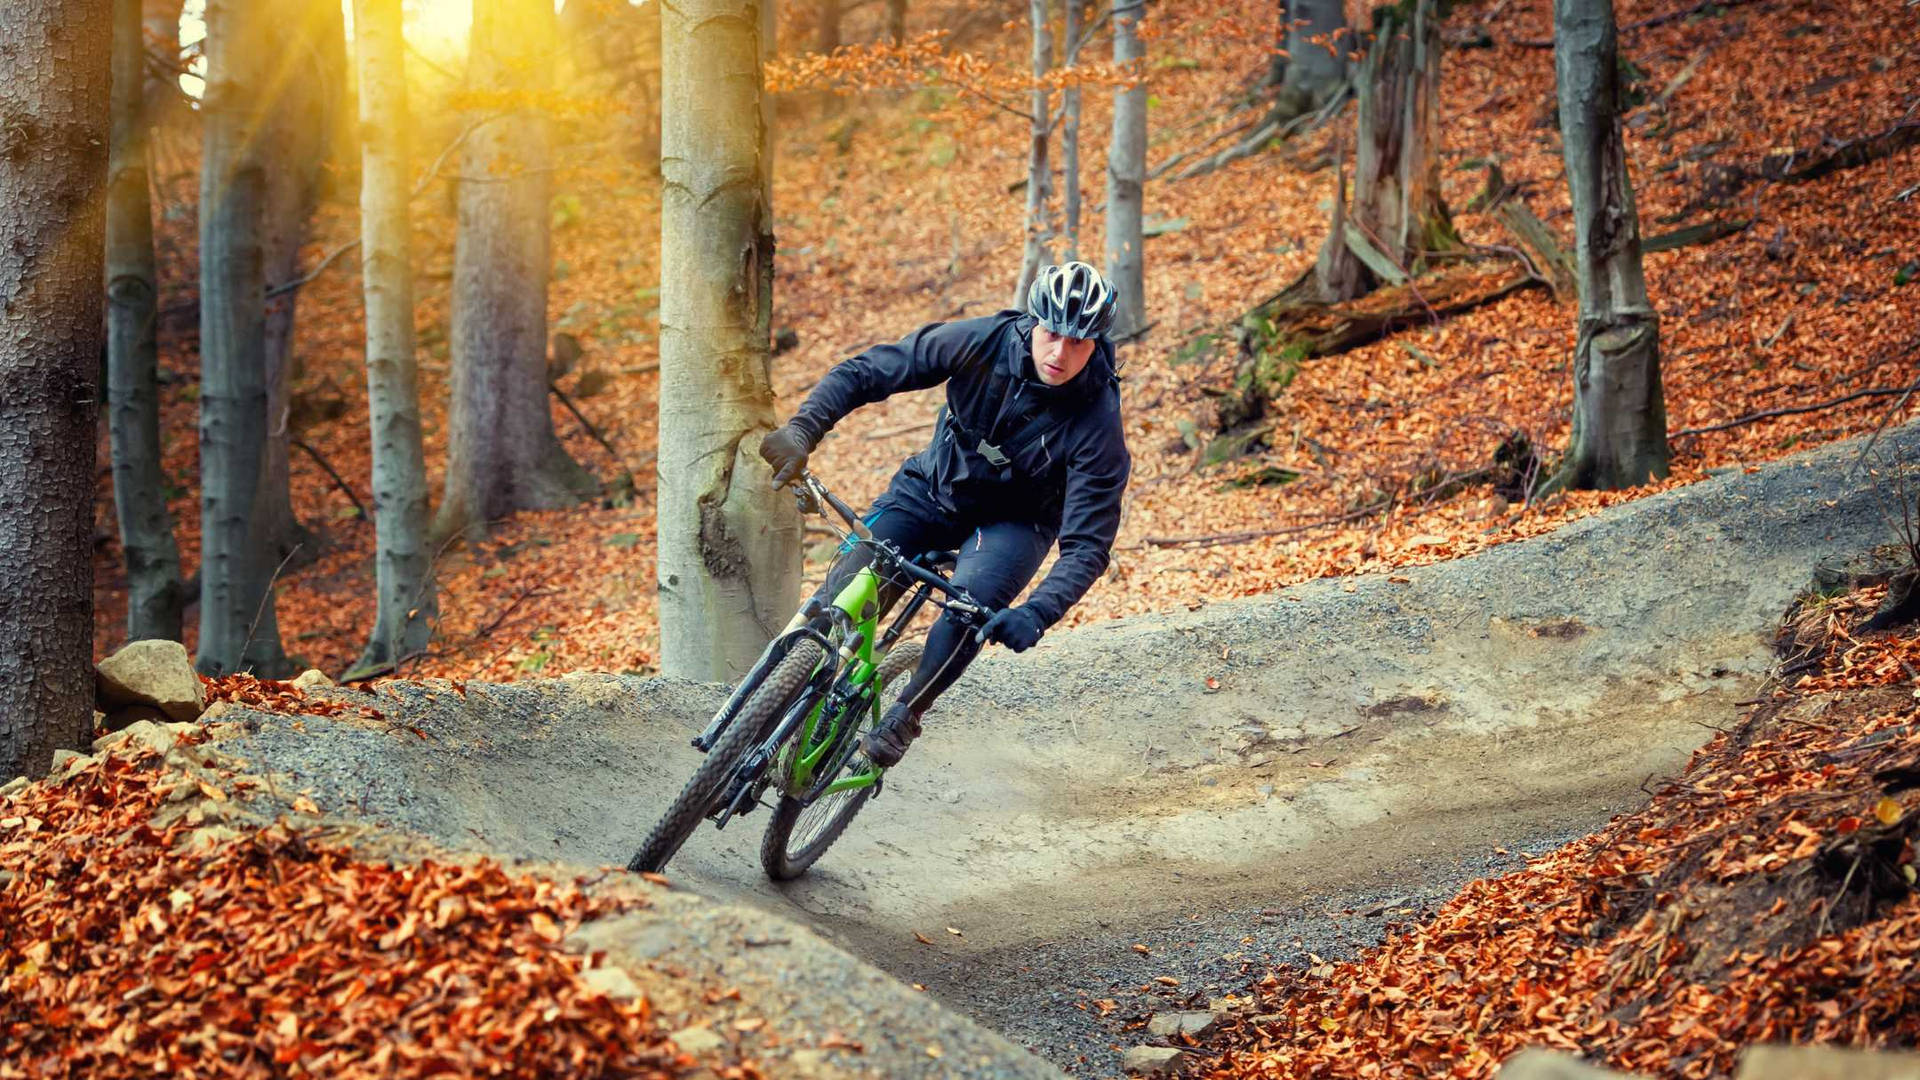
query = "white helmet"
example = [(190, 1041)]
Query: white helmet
[(1072, 300)]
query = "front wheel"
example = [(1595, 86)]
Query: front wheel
[(800, 833), (755, 719)]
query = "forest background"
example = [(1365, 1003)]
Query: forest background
[(898, 183)]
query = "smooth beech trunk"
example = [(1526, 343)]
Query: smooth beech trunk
[(1396, 215), (403, 570), (1039, 231), (154, 596), (1126, 175), (1070, 135), (238, 563), (502, 453), (54, 88), (729, 555), (1317, 44), (300, 96), (1619, 436)]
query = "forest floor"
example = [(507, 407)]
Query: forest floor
[(893, 209), (1146, 814)]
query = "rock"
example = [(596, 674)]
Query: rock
[(312, 679), (1175, 1023), (156, 673), (1153, 1060), (1536, 1064), (128, 715), (158, 736), (208, 837), (13, 785), (1825, 1063), (614, 982), (66, 762), (698, 1039)]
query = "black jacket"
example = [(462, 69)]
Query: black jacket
[(1054, 456)]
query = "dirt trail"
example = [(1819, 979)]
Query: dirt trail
[(1164, 781)]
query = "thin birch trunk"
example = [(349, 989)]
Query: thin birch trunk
[(1126, 176), (896, 21), (238, 628), (54, 87), (403, 570), (1619, 436), (1070, 135), (154, 596), (502, 453), (1039, 231), (729, 545)]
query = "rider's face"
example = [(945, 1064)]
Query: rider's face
[(1058, 359)]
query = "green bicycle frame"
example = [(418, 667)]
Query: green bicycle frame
[(860, 600)]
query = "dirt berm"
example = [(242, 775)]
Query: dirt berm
[(1339, 738)]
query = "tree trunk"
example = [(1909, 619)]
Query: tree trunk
[(502, 453), (826, 33), (1316, 62), (1039, 232), (896, 21), (238, 629), (298, 119), (1619, 434), (403, 568), (161, 22), (1396, 215), (1277, 60), (1070, 135), (154, 597), (729, 555), (54, 87), (1126, 176)]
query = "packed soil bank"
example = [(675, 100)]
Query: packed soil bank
[(1217, 785)]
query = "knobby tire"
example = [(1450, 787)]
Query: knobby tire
[(755, 720), (783, 865)]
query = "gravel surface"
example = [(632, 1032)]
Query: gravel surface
[(1165, 781)]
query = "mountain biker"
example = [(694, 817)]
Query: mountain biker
[(1028, 449)]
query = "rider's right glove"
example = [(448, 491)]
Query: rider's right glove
[(1016, 628), (786, 449)]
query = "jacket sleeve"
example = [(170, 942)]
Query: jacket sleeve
[(1089, 520), (927, 357)]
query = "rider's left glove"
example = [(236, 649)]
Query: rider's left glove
[(786, 449), (1017, 628)]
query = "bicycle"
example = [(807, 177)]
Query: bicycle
[(795, 721)]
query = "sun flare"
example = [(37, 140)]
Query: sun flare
[(439, 27)]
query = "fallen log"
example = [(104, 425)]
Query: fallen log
[(1330, 329)]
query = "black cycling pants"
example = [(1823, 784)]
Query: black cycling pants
[(997, 559)]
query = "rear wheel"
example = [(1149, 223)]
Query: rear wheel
[(755, 719), (799, 833)]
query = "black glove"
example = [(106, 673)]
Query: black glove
[(786, 449), (1017, 628)]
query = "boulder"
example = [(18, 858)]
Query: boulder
[(68, 761), (1825, 1063), (1195, 1024), (156, 673), (1534, 1063), (158, 736), (1153, 1060), (312, 679), (13, 785), (126, 716)]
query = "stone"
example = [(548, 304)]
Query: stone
[(13, 785), (697, 1039), (1177, 1023), (128, 715), (1825, 1063), (158, 736), (312, 679), (1153, 1060), (1534, 1063), (614, 982), (156, 673)]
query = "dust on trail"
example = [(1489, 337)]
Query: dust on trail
[(1165, 781)]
